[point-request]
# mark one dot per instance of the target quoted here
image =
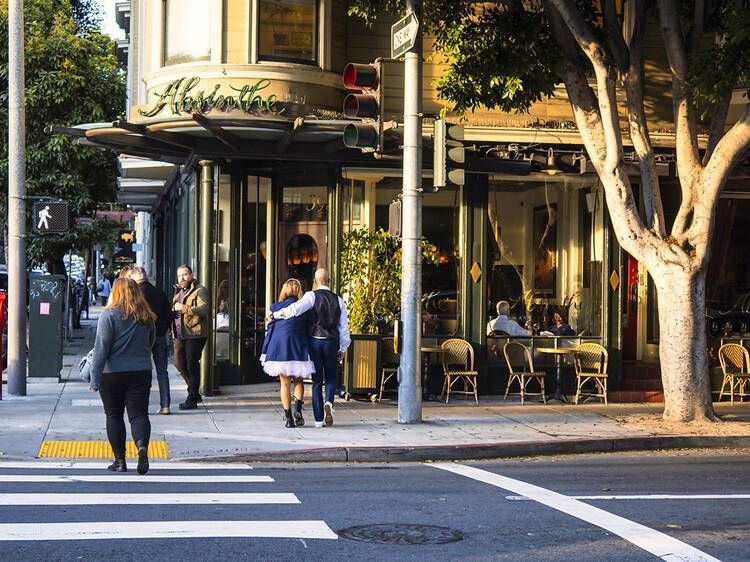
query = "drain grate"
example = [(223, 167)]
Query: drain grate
[(401, 533)]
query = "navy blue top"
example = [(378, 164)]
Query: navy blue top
[(286, 340)]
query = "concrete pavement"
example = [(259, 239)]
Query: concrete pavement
[(245, 423)]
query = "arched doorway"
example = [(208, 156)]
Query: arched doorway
[(302, 258)]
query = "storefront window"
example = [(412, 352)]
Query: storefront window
[(440, 298), (545, 247), (222, 274), (352, 202), (303, 232), (187, 30), (288, 30)]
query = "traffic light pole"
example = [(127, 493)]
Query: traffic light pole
[(410, 387), (16, 203)]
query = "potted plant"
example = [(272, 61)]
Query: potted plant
[(370, 276)]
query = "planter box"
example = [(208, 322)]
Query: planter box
[(361, 372)]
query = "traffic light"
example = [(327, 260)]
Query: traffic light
[(367, 135), (449, 154)]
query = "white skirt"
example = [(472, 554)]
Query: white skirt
[(299, 369)]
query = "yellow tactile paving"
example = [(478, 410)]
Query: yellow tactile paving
[(97, 450)]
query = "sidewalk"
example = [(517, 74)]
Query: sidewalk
[(245, 423)]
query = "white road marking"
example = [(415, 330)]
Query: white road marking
[(652, 497), (154, 478), (165, 530), (146, 499), (657, 543), (102, 465)]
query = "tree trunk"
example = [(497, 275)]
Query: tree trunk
[(682, 344)]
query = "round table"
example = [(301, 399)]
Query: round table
[(558, 352), (426, 350)]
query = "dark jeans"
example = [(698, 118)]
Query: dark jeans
[(160, 352), (129, 389), (323, 353), (104, 300), (187, 357)]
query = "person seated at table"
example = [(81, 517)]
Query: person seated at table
[(504, 324), (559, 326)]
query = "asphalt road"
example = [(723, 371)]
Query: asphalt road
[(579, 508)]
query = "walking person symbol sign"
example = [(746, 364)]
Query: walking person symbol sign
[(51, 217)]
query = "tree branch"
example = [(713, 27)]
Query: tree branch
[(616, 40), (696, 30), (716, 130), (638, 124), (686, 137)]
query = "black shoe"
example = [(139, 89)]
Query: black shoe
[(289, 419), (186, 405), (297, 411), (142, 467), (118, 466)]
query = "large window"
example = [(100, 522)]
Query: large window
[(288, 30), (187, 30), (545, 249), (440, 298)]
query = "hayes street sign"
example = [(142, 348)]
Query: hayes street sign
[(404, 35)]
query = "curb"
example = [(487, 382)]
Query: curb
[(489, 450)]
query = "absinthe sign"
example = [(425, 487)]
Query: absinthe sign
[(183, 96)]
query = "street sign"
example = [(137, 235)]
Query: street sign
[(51, 217), (404, 35)]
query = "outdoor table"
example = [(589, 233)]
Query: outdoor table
[(426, 351), (558, 352)]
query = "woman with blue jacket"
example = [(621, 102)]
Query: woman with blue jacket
[(121, 369), (285, 353)]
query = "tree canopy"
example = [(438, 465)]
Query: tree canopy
[(72, 76)]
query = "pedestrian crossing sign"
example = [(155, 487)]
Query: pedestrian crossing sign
[(51, 217)]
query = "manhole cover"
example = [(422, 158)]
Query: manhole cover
[(401, 533)]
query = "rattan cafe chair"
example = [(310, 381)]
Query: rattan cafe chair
[(590, 362), (735, 366), (458, 365), (521, 369)]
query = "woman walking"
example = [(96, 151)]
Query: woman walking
[(121, 369), (285, 353)]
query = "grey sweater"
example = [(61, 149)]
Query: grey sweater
[(132, 351)]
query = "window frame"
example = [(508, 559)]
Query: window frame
[(165, 61), (260, 58)]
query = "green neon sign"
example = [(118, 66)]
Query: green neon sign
[(183, 97)]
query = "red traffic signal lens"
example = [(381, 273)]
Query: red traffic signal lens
[(360, 76)]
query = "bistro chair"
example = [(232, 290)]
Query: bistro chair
[(389, 360), (458, 365), (590, 360), (735, 364), (521, 369)]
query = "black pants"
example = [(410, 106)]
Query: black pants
[(126, 389), (187, 357)]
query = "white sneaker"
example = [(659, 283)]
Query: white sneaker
[(318, 424), (328, 409)]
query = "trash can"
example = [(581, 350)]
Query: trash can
[(361, 364), (46, 305)]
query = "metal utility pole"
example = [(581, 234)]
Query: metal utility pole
[(206, 269), (410, 387), (16, 203)]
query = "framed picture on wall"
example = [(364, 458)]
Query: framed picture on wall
[(544, 238)]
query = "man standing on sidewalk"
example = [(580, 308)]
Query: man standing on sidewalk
[(159, 304), (104, 288), (190, 330), (328, 343)]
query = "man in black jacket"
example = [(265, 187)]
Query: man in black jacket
[(161, 306)]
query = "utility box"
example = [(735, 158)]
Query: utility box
[(46, 315)]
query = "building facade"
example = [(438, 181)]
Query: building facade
[(232, 151)]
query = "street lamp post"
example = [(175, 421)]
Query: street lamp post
[(16, 203)]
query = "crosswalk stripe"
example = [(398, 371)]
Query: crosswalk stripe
[(176, 465), (652, 497), (152, 478), (146, 499), (165, 529)]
